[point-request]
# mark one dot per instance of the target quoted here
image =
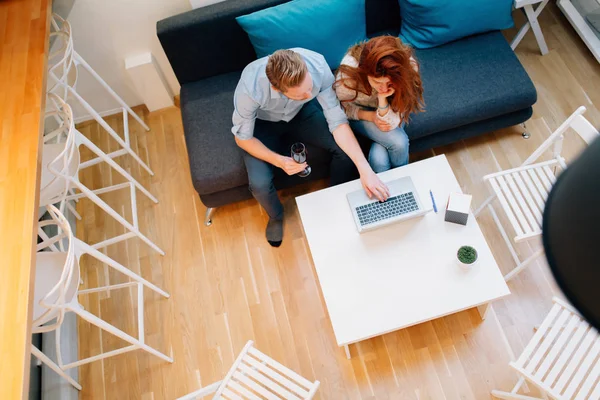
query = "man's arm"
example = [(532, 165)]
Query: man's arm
[(373, 186), (344, 137), (256, 148), (244, 117)]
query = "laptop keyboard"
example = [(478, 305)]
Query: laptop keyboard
[(392, 207)]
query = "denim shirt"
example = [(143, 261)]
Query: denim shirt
[(255, 98)]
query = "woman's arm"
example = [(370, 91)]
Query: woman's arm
[(384, 112)]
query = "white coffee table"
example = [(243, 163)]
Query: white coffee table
[(402, 274)]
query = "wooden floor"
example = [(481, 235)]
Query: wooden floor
[(228, 285)]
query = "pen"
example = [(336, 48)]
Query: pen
[(433, 201)]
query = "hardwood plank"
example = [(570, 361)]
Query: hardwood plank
[(228, 285)]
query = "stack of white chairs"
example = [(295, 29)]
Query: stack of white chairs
[(57, 277), (60, 174), (57, 286), (63, 73)]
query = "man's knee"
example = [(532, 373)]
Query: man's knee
[(260, 184), (260, 175)]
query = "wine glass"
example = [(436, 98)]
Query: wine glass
[(299, 155)]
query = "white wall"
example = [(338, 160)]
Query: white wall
[(105, 32), (203, 3)]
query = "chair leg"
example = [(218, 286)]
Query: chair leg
[(532, 17), (136, 344), (523, 265), (73, 210), (514, 393), (502, 231), (118, 98), (72, 193), (512, 396), (520, 35), (483, 205), (45, 237), (205, 391), (52, 365), (208, 218), (87, 249), (102, 204), (96, 150), (109, 129)]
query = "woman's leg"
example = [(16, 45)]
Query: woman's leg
[(379, 158), (394, 141)]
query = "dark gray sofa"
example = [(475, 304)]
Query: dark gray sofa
[(472, 86)]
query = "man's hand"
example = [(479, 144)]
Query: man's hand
[(290, 166), (373, 186)]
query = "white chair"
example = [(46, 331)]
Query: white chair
[(60, 174), (561, 359), (532, 23), (255, 376), (522, 191), (56, 292), (63, 74)]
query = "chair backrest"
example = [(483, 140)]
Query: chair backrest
[(562, 358), (63, 117), (578, 123), (61, 61), (55, 298), (255, 375)]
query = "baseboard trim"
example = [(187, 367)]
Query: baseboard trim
[(89, 117)]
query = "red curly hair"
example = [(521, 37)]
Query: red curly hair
[(386, 56)]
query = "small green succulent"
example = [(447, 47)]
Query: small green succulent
[(467, 255)]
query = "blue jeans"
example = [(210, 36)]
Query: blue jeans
[(389, 149), (309, 127)]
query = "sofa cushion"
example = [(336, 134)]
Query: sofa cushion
[(327, 27), (470, 80), (208, 41), (216, 161), (430, 23)]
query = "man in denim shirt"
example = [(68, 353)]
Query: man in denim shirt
[(275, 96)]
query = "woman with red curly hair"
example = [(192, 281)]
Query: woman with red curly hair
[(379, 86)]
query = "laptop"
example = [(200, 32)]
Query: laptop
[(404, 203)]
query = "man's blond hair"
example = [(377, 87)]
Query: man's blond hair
[(285, 69)]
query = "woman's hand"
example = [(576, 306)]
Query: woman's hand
[(385, 95), (371, 116), (382, 125)]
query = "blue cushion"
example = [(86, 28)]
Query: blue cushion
[(431, 23), (327, 27)]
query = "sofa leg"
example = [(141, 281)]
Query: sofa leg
[(208, 218), (525, 134)]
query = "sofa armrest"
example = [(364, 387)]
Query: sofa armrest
[(216, 161)]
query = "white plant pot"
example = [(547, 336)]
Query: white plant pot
[(464, 266)]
